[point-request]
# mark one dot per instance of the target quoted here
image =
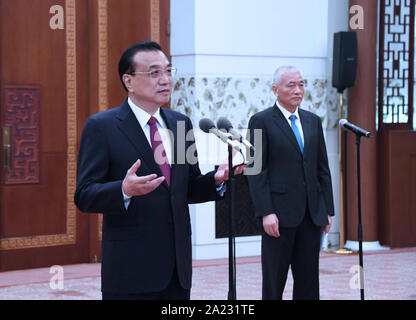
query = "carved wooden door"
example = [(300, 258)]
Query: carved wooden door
[(41, 75), (58, 65)]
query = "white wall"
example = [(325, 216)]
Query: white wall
[(246, 27), (337, 21), (229, 37), (236, 42)]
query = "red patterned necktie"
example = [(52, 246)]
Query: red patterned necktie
[(158, 149)]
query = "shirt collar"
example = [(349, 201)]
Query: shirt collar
[(143, 117), (286, 113)]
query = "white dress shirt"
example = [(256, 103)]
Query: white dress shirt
[(143, 117)]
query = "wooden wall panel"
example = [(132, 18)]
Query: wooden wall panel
[(30, 55), (114, 26), (76, 71), (398, 189), (128, 22), (39, 224), (34, 54)]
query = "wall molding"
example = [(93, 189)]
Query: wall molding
[(102, 55), (155, 20)]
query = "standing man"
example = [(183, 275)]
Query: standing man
[(129, 171), (292, 195)]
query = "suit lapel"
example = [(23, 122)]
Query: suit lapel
[(281, 121), (130, 127), (307, 130)]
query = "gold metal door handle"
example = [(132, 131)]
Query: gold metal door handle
[(6, 148)]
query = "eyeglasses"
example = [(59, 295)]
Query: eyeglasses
[(158, 73)]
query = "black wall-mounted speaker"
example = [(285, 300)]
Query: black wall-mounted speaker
[(344, 64)]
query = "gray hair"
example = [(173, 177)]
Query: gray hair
[(277, 77)]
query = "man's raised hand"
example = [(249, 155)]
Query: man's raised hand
[(134, 185)]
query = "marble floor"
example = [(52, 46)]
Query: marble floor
[(388, 275)]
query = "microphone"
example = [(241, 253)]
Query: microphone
[(224, 123), (208, 126), (357, 130)]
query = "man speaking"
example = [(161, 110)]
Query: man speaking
[(129, 171)]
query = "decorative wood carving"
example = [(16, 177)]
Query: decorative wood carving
[(102, 55), (21, 108), (396, 55), (155, 20), (102, 70)]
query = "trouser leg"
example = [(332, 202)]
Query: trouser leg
[(305, 261), (276, 256)]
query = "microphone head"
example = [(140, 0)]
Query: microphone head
[(206, 124), (224, 123), (342, 122)]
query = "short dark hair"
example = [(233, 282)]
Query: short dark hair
[(126, 61)]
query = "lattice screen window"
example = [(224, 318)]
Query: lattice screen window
[(396, 63)]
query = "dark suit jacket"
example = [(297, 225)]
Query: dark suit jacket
[(289, 181), (141, 245)]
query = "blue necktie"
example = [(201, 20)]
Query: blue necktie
[(296, 131)]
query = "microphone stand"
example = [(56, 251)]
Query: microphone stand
[(360, 227), (232, 293)]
